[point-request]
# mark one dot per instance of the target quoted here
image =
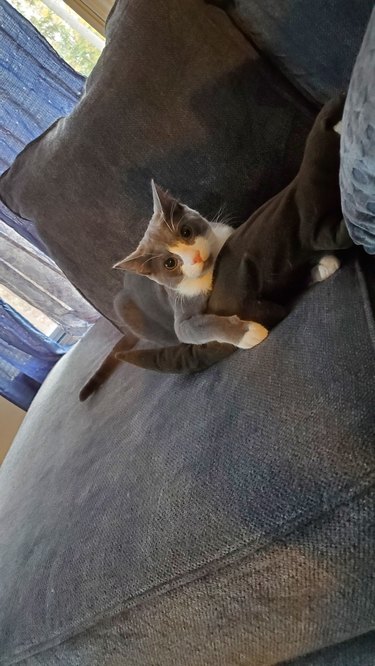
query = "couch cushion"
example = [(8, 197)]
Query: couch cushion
[(119, 504), (313, 43), (178, 94)]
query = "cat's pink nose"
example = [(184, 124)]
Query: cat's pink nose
[(197, 259)]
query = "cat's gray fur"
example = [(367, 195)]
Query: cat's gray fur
[(171, 309), (181, 293)]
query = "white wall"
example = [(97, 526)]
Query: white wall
[(11, 418)]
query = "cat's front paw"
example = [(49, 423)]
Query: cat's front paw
[(326, 267), (255, 334)]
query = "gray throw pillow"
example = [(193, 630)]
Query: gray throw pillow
[(180, 95)]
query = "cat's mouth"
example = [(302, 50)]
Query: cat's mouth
[(198, 269)]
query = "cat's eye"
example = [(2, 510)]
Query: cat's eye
[(186, 232), (170, 264)]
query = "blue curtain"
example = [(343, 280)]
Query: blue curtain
[(36, 88), (26, 356)]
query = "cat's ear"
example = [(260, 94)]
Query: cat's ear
[(137, 262), (162, 201)]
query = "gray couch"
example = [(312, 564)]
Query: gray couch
[(224, 518)]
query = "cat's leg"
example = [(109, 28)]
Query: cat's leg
[(327, 266), (203, 328)]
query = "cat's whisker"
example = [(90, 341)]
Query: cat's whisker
[(183, 217), (225, 219), (155, 256), (218, 212), (179, 299), (167, 225), (217, 215), (171, 216), (220, 215)]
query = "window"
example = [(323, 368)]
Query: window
[(20, 285), (41, 313), (94, 12), (74, 40), (37, 318)]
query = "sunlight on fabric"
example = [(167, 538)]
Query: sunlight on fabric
[(36, 317), (32, 276)]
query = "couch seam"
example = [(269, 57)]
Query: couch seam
[(202, 570), (262, 51)]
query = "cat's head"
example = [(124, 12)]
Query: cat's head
[(178, 249)]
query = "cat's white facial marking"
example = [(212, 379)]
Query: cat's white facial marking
[(199, 258), (193, 256)]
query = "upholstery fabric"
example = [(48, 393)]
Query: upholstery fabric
[(313, 43), (244, 527), (358, 147), (219, 519), (187, 100)]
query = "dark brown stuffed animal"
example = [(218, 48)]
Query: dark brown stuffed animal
[(266, 263)]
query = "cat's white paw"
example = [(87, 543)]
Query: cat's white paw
[(255, 334), (326, 267), (338, 127)]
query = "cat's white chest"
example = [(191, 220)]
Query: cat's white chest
[(197, 286), (222, 233)]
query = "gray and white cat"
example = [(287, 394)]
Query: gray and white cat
[(178, 253)]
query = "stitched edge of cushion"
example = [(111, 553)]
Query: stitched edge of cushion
[(215, 565)]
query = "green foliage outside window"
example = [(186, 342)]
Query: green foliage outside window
[(70, 44)]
